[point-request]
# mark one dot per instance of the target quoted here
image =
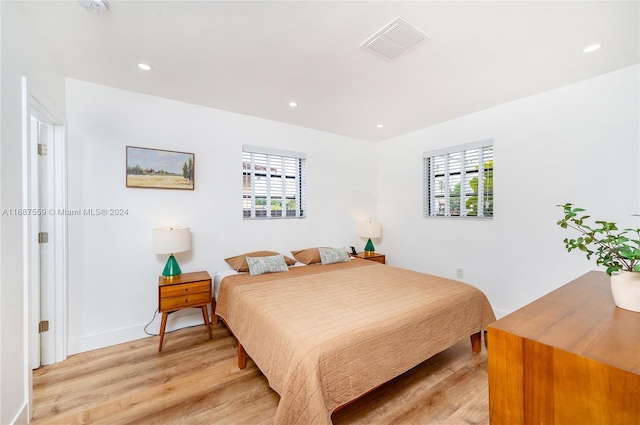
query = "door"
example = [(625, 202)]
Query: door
[(44, 183), (46, 203), (41, 132)]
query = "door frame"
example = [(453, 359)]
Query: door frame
[(55, 341)]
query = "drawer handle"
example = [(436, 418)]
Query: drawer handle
[(186, 300)]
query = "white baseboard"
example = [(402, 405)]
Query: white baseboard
[(22, 417), (177, 320)]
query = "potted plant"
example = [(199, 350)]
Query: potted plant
[(618, 251)]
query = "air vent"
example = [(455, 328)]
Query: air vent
[(99, 7), (396, 38)]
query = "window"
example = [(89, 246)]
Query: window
[(273, 183), (458, 181)]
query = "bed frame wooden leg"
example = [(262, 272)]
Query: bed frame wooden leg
[(242, 357), (476, 342), (214, 316)]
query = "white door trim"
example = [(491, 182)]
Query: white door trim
[(60, 261), (56, 308)]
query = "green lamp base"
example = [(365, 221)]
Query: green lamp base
[(171, 269), (369, 246)]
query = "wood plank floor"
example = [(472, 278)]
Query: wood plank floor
[(196, 381)]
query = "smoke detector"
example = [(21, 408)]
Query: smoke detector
[(99, 7), (395, 39)]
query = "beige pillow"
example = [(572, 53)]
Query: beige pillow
[(239, 262), (307, 256)]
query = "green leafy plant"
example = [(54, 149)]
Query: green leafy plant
[(472, 202), (612, 248)]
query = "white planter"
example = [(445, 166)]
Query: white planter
[(625, 287)]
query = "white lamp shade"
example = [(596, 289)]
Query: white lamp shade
[(169, 240), (370, 229)]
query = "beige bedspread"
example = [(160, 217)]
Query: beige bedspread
[(325, 335)]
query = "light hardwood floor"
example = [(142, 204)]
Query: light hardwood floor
[(196, 381)]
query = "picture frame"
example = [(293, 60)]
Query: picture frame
[(159, 169)]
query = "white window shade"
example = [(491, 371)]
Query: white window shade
[(458, 181), (274, 183)]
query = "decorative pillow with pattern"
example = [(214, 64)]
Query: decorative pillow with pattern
[(333, 255), (262, 265), (239, 262)]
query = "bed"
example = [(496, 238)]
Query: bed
[(324, 335)]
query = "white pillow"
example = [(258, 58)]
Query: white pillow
[(333, 255), (262, 265)]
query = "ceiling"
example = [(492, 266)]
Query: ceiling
[(254, 58)]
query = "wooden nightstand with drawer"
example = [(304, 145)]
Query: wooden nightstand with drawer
[(373, 256), (188, 290)]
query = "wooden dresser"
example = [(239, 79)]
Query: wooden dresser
[(570, 357)]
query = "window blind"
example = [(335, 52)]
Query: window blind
[(273, 183), (458, 181)]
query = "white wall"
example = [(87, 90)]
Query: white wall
[(112, 268), (578, 144), (22, 55)]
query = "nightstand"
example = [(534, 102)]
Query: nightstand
[(374, 256), (188, 290)]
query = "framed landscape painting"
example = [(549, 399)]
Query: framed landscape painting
[(159, 169)]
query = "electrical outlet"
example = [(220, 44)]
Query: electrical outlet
[(459, 274)]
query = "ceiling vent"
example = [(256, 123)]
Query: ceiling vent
[(99, 7), (396, 38)]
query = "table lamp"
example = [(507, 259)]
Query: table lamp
[(370, 229), (171, 240)]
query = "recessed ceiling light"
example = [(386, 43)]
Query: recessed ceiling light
[(144, 67), (380, 125), (293, 104), (591, 48)]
